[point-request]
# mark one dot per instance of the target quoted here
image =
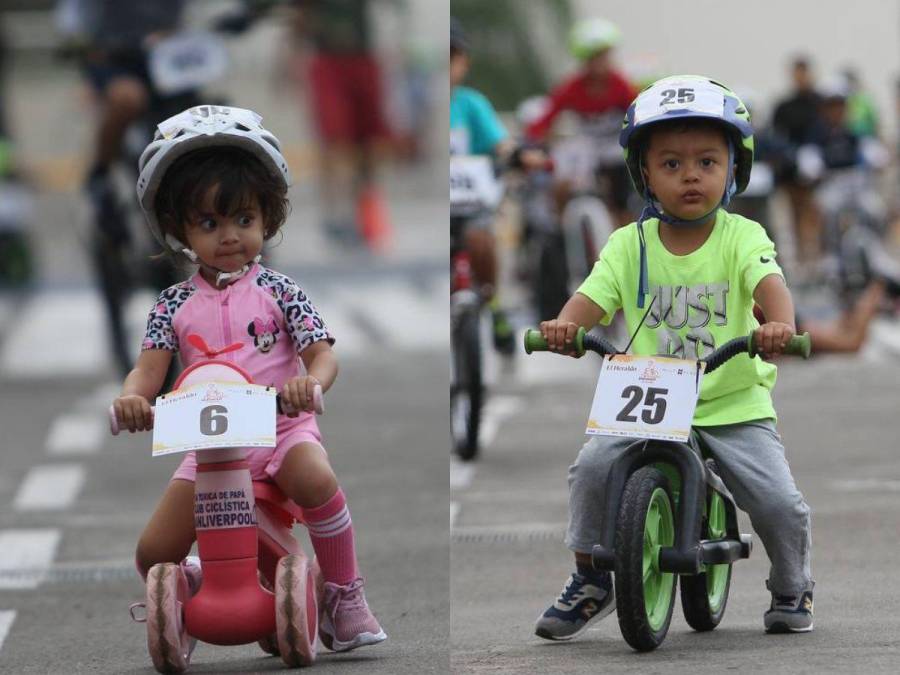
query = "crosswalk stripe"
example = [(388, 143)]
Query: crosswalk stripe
[(348, 339), (461, 474), (25, 556), (7, 616), (50, 487), (496, 411), (56, 334), (62, 333), (76, 434), (410, 319)]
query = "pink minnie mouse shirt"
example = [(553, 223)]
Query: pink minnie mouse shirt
[(264, 310)]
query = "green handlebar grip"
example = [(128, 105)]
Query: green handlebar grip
[(535, 342), (799, 345)]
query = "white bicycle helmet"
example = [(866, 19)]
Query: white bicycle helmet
[(590, 36), (202, 126)]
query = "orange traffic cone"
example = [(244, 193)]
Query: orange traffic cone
[(372, 216)]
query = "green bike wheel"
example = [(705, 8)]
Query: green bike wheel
[(645, 595), (704, 596)]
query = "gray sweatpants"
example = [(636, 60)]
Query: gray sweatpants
[(751, 463)]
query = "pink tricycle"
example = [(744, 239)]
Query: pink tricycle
[(246, 549)]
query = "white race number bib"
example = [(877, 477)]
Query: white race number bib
[(645, 397), (473, 186), (214, 415)]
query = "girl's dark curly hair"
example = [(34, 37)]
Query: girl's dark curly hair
[(238, 177)]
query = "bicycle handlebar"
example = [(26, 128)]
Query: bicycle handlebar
[(798, 345), (280, 405)]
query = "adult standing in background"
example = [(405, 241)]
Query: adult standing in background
[(335, 59), (795, 121)]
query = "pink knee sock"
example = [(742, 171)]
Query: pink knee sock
[(331, 532)]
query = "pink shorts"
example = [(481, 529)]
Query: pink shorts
[(265, 462)]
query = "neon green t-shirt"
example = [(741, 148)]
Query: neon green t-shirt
[(700, 301)]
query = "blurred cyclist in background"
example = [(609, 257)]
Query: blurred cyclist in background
[(600, 95), (334, 58), (114, 37), (862, 113), (16, 202), (475, 129), (5, 149), (795, 119)]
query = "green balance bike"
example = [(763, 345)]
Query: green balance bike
[(675, 520)]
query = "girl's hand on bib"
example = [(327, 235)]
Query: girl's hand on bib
[(771, 338), (298, 392), (133, 412), (560, 336)]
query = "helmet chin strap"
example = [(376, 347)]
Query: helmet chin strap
[(652, 209), (221, 275)]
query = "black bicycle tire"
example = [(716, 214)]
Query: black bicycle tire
[(629, 547), (468, 352), (695, 602)]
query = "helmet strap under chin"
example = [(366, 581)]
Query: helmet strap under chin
[(229, 277), (653, 209), (221, 275)]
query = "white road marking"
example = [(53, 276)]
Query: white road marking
[(509, 529), (405, 316), (348, 339), (454, 512), (25, 555), (7, 616), (544, 368), (886, 334), (496, 410), (50, 487), (37, 348), (866, 485), (76, 434), (99, 399), (409, 319), (461, 474)]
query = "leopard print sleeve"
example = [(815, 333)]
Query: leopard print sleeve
[(301, 318), (160, 325)]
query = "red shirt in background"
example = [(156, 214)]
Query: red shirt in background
[(585, 98)]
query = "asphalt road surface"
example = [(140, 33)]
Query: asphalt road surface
[(839, 422)]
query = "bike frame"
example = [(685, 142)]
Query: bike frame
[(691, 481)]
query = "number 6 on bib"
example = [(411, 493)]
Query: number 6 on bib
[(645, 397)]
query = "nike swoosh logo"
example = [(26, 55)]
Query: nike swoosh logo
[(763, 259)]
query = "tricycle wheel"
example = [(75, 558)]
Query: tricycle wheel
[(169, 644), (296, 611), (269, 643), (645, 595), (704, 596)]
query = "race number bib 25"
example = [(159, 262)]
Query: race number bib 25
[(214, 415), (645, 397)]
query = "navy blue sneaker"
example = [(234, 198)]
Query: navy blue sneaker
[(581, 603), (790, 613)]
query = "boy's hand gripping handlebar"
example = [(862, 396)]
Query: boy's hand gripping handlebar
[(283, 407), (798, 345)]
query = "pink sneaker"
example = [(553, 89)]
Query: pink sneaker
[(346, 621)]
